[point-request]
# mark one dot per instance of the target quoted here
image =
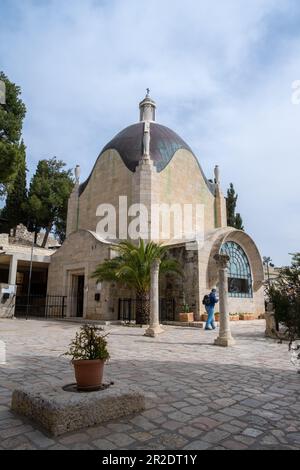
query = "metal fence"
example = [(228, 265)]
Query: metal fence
[(127, 309), (40, 306)]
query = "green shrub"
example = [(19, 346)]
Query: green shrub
[(89, 343), (284, 293)]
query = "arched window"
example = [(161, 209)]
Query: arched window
[(239, 272)]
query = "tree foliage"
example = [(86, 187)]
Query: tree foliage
[(284, 293), (233, 219), (48, 195), (238, 222), (132, 267), (15, 207), (89, 344), (12, 114)]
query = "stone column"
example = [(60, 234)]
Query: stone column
[(154, 327), (12, 276), (220, 204), (224, 338), (270, 331)]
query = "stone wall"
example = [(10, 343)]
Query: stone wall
[(79, 255), (24, 238), (182, 182), (109, 180)]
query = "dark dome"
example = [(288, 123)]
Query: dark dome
[(163, 144), (129, 144)]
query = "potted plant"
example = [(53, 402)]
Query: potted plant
[(185, 314), (88, 351), (247, 316), (234, 316)]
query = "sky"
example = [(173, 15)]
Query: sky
[(220, 72)]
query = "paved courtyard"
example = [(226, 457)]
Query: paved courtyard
[(199, 396)]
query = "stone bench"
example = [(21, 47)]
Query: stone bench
[(59, 411)]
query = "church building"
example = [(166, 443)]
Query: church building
[(148, 167)]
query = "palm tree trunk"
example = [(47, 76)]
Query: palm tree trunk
[(142, 313)]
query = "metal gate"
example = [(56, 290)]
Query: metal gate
[(167, 308), (127, 309), (40, 306)]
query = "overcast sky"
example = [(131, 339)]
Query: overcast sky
[(220, 72)]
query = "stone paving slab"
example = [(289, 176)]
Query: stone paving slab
[(198, 396), (59, 411)]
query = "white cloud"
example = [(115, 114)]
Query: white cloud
[(221, 73)]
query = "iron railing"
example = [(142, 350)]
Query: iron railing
[(40, 306), (127, 309)]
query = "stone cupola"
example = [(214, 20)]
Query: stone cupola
[(147, 108)]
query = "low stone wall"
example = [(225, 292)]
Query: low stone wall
[(59, 411)]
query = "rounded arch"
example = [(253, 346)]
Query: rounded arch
[(242, 239), (239, 271)]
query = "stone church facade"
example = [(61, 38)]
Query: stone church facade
[(149, 165)]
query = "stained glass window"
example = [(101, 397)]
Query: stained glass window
[(239, 272)]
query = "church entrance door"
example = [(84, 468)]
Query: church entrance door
[(80, 296)]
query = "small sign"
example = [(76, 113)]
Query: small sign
[(11, 289)]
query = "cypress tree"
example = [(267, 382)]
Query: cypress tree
[(233, 219)]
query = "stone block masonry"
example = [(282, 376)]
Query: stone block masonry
[(59, 411)]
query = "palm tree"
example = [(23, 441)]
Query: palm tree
[(132, 268)]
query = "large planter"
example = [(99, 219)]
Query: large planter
[(247, 316), (234, 317), (186, 317), (88, 374), (204, 317)]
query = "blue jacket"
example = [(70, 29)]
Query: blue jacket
[(213, 299)]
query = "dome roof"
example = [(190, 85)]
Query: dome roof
[(129, 143), (163, 144)]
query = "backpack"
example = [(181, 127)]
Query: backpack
[(206, 300)]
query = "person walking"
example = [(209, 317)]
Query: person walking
[(210, 302)]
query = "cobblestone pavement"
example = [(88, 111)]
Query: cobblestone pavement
[(199, 396)]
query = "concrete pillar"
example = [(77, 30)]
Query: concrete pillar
[(73, 211), (144, 194), (224, 338), (220, 202), (12, 276), (154, 327)]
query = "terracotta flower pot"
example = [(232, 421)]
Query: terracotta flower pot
[(186, 317), (234, 317), (247, 316), (88, 374)]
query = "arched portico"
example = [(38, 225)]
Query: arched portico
[(252, 303)]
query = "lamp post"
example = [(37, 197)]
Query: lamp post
[(29, 280), (267, 262)]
